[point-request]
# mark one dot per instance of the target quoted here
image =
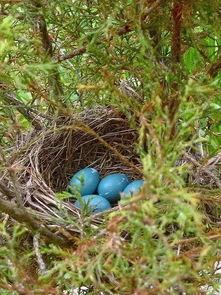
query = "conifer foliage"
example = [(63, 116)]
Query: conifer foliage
[(158, 63)]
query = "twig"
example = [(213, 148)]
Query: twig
[(17, 190), (189, 253), (76, 52), (54, 79), (12, 174), (176, 37), (41, 264), (214, 160), (42, 115), (204, 169), (28, 219), (21, 107), (122, 31), (127, 90), (46, 42), (6, 191), (212, 235)]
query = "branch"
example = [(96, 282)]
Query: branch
[(23, 216), (21, 107), (42, 115), (46, 42), (6, 191), (54, 79), (177, 11), (213, 235), (214, 160), (204, 169), (76, 52), (40, 261), (122, 31)]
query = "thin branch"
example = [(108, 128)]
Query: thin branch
[(204, 169), (22, 108), (17, 190), (41, 264), (76, 52), (42, 115), (177, 11), (214, 160), (25, 217), (46, 42), (213, 235), (54, 79), (122, 31), (6, 191)]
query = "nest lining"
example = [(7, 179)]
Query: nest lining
[(50, 161)]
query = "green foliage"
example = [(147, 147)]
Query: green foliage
[(176, 106)]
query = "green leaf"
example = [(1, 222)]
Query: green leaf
[(191, 59)]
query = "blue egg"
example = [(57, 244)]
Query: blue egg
[(85, 181), (93, 203), (133, 188), (112, 185)]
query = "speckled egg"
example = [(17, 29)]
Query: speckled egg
[(133, 188), (93, 203), (111, 186), (85, 181)]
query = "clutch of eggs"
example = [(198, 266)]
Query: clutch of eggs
[(98, 195)]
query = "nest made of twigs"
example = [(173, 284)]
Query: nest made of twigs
[(46, 160), (50, 158)]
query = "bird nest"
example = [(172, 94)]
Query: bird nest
[(99, 138), (44, 162)]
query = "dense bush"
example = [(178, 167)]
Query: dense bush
[(159, 63)]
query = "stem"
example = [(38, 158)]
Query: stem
[(54, 79), (25, 217), (177, 11), (6, 191), (11, 99)]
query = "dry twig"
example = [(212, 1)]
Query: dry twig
[(205, 168), (41, 264)]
